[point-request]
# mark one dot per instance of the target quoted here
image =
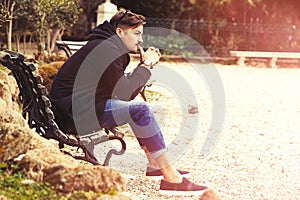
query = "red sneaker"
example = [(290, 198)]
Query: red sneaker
[(186, 187)]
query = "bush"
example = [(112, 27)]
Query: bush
[(48, 72)]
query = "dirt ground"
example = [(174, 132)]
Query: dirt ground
[(243, 144)]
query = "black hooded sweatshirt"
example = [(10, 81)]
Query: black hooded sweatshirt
[(89, 77)]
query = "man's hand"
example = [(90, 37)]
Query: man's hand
[(152, 55)]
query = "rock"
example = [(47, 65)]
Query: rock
[(4, 90), (209, 195), (2, 197), (11, 116), (8, 105), (43, 161), (14, 90), (192, 109), (67, 175), (16, 140), (27, 182), (8, 91)]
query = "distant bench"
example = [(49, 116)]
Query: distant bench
[(272, 56), (70, 47)]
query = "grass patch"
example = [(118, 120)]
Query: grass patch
[(2, 68), (14, 185)]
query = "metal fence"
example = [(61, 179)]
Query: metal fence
[(218, 38)]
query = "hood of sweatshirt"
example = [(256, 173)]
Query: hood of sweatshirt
[(102, 31), (106, 31)]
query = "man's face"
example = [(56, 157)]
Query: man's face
[(131, 37)]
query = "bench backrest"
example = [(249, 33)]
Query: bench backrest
[(70, 47), (265, 54)]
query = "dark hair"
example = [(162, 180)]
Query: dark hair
[(127, 19)]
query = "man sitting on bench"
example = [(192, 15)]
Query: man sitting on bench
[(92, 85)]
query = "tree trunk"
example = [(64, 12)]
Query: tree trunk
[(40, 40), (24, 43), (58, 33), (10, 25), (9, 35), (17, 41), (40, 46), (48, 46)]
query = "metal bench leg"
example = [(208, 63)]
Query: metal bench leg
[(114, 151), (88, 143), (272, 62), (241, 61)]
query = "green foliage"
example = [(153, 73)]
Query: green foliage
[(3, 165), (46, 15), (49, 13), (2, 68)]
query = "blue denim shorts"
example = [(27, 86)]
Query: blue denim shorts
[(140, 118)]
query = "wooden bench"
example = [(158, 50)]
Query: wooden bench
[(70, 47), (37, 111), (271, 56)]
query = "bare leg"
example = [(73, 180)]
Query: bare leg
[(151, 162), (168, 171)]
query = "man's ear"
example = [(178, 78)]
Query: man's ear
[(119, 31)]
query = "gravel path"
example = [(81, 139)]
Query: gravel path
[(257, 155)]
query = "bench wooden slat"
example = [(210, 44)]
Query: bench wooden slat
[(80, 43), (273, 56), (265, 54), (70, 47)]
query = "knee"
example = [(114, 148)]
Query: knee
[(139, 106), (140, 112)]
